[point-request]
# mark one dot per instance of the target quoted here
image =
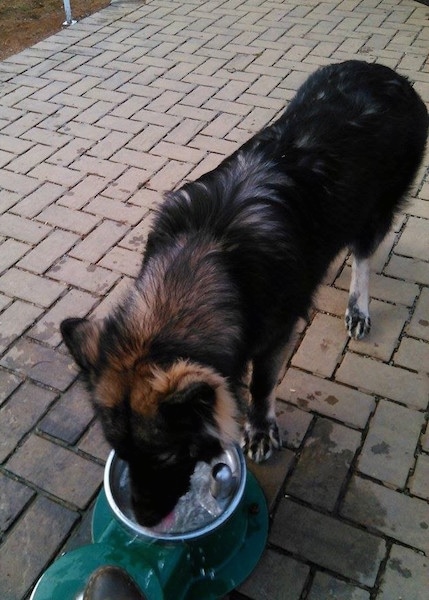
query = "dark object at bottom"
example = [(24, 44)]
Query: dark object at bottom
[(112, 583)]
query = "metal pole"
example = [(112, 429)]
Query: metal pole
[(69, 20)]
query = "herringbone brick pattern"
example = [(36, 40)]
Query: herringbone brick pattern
[(95, 123)]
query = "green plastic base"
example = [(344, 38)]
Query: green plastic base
[(207, 568)]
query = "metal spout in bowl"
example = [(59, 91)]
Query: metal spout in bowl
[(222, 489)]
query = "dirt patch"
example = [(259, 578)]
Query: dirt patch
[(26, 22)]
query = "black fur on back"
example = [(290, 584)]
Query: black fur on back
[(328, 174)]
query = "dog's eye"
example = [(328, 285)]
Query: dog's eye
[(167, 458)]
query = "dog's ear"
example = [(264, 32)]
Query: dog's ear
[(81, 337), (191, 406)]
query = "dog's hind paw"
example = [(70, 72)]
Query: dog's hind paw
[(358, 324), (258, 443)]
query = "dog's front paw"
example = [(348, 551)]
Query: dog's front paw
[(259, 442), (358, 324)]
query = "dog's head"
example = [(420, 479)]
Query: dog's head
[(161, 420)]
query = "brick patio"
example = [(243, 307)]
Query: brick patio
[(95, 122)]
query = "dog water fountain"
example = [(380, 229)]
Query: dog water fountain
[(206, 548)]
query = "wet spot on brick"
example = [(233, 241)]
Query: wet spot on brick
[(331, 400), (424, 525), (91, 268), (47, 329), (423, 322), (137, 240), (302, 403), (395, 565), (381, 448), (318, 393)]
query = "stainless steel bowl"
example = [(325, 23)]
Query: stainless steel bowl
[(117, 490)]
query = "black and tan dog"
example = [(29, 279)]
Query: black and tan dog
[(232, 262)]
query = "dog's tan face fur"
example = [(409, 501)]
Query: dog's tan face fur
[(161, 420)]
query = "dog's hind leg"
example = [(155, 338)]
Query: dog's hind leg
[(261, 433), (357, 319)]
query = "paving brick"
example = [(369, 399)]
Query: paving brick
[(4, 302), (405, 575), (57, 470), (41, 364), (123, 261), (177, 152), (150, 136), (401, 517), (47, 137), (15, 320), (328, 398), (127, 184), (293, 423), (418, 208), (276, 577), (213, 144), (387, 323), (84, 191), (24, 285), (211, 161), (69, 153), (316, 537), (132, 126), (169, 176), (5, 158), (20, 414), (94, 443), (56, 174), (115, 295), (13, 144), (410, 269), (16, 182), (425, 440), (331, 300), (75, 303), (271, 474), (205, 115), (95, 112), (323, 464), (184, 132), (48, 251), (23, 124), (22, 229), (98, 166), (413, 240), (83, 274), (141, 160), (101, 239), (70, 416), (8, 383), (113, 142), (27, 161), (328, 335), (116, 210), (413, 354), (383, 288), (84, 130), (34, 203), (10, 252), (388, 452), (391, 382), (69, 219), (13, 498), (419, 485), (44, 525), (326, 587)]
